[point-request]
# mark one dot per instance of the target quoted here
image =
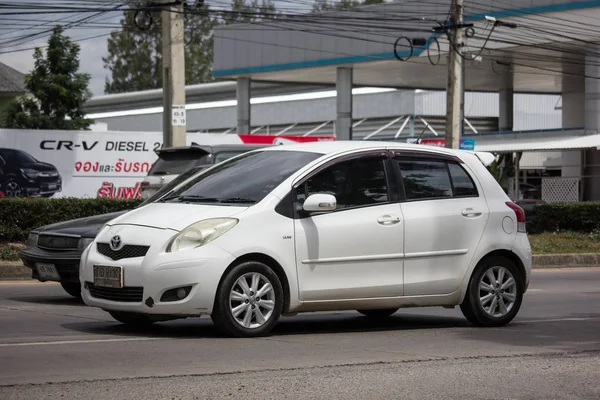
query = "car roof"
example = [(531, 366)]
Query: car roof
[(211, 148), (341, 146)]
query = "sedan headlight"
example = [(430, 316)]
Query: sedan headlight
[(32, 239), (84, 243), (200, 233)]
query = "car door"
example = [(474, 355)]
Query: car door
[(445, 216), (356, 250)]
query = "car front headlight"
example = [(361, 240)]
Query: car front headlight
[(84, 243), (32, 239), (200, 233)]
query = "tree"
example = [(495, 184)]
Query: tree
[(135, 52), (56, 90), (242, 12), (324, 5)]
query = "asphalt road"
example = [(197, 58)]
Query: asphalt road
[(54, 347)]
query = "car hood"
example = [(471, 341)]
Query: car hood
[(175, 216), (40, 166), (85, 227)]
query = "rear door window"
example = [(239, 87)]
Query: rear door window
[(433, 179), (171, 167)]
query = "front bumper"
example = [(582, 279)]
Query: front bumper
[(66, 262), (146, 279)]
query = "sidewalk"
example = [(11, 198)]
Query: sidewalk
[(15, 270)]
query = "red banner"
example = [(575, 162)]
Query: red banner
[(272, 139)]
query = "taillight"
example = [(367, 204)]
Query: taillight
[(520, 213)]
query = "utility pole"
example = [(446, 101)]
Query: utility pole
[(455, 83), (173, 65)]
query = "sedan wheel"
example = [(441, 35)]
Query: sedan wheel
[(494, 294), (249, 301)]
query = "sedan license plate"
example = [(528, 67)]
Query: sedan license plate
[(108, 276), (47, 272), (52, 187)]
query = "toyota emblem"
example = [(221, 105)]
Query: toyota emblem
[(115, 242)]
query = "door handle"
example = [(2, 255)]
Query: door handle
[(469, 212), (388, 219)]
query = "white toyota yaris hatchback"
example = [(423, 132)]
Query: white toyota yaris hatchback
[(323, 226)]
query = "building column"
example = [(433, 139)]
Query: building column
[(592, 122), (343, 126), (573, 101), (506, 96), (243, 105), (573, 116), (506, 106)]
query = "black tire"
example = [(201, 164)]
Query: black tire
[(222, 316), (383, 313), (131, 319), (471, 306), (72, 288)]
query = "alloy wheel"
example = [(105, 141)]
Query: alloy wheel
[(252, 300), (497, 291)]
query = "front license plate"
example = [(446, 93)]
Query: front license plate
[(108, 276), (47, 272), (52, 187)]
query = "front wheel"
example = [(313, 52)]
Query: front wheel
[(495, 293), (249, 301)]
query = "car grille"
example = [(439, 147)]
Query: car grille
[(127, 294), (58, 242), (127, 251)]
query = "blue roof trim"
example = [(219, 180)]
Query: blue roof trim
[(417, 51)]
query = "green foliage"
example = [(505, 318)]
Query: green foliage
[(57, 92), (325, 5), (575, 217), (135, 55), (9, 253), (242, 12), (18, 216)]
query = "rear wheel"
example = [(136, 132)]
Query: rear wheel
[(132, 319), (249, 301), (383, 313), (495, 293), (74, 289)]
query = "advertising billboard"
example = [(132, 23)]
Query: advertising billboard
[(94, 164)]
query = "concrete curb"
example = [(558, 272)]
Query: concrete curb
[(15, 270)]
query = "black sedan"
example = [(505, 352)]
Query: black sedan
[(53, 252)]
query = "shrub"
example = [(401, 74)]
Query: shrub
[(576, 217), (18, 216)]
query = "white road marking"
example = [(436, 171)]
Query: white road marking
[(534, 321), (59, 342)]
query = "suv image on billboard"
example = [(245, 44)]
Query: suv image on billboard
[(21, 175)]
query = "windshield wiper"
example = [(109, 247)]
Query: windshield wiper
[(202, 199), (237, 200), (192, 198)]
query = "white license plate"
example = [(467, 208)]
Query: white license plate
[(108, 276), (47, 272), (52, 187)]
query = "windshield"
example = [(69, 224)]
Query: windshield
[(169, 186), (245, 179), (20, 157)]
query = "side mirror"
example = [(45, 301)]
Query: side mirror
[(320, 202)]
